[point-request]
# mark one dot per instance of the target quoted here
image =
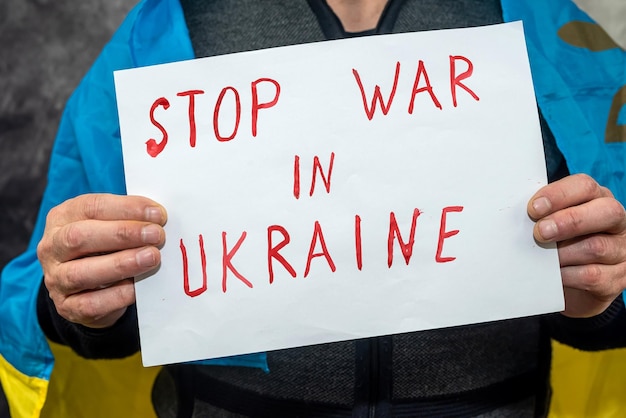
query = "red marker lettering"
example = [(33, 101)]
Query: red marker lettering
[(357, 242), (152, 148), (377, 97), (317, 234), (256, 106), (296, 177), (394, 231), (455, 80), (216, 112), (318, 167), (226, 260), (192, 113), (422, 70), (272, 251), (443, 234), (201, 289)]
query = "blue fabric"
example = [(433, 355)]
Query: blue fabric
[(87, 158), (575, 89)]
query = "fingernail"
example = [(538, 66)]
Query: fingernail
[(548, 229), (151, 234), (145, 258), (542, 206), (154, 214)]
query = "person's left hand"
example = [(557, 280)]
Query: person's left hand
[(589, 226)]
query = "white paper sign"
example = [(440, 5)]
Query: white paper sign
[(338, 190)]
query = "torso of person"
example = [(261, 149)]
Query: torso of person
[(492, 369)]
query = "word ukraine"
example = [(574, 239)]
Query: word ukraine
[(317, 240)]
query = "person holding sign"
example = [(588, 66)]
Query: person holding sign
[(92, 240)]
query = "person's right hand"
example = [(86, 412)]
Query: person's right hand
[(92, 247)]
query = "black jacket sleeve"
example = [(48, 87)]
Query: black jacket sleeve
[(601, 332), (604, 331), (118, 341)]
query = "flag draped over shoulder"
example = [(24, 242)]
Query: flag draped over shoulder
[(87, 150), (579, 73)]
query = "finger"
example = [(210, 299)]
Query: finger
[(103, 270), (79, 239), (107, 207), (598, 215), (603, 282), (569, 191), (98, 308), (593, 249), (583, 304)]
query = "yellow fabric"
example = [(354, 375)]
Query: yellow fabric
[(585, 384), (98, 388), (25, 394), (588, 384)]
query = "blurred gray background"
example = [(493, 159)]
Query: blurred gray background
[(45, 48)]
